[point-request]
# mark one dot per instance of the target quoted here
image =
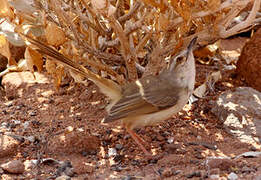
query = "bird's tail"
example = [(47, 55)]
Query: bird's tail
[(107, 87)]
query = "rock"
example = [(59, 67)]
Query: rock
[(232, 176), (194, 174), (246, 169), (240, 113), (119, 146), (63, 177), (13, 82), (15, 167), (1, 171), (112, 152), (73, 142), (223, 163), (249, 64), (8, 146), (29, 164), (167, 172), (214, 171), (250, 154), (231, 48), (214, 176)]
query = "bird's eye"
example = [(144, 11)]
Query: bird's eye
[(179, 59)]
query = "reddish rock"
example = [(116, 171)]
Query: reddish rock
[(220, 163), (249, 64), (15, 167), (8, 146)]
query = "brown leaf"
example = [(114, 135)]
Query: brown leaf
[(57, 72), (33, 59), (54, 35), (5, 10), (4, 47)]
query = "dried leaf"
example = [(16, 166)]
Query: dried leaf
[(58, 76), (210, 82), (214, 4), (54, 35), (163, 23), (25, 6), (104, 7), (4, 47), (201, 90), (57, 72), (5, 10), (50, 66), (33, 59)]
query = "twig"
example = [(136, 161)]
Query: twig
[(241, 26), (129, 15), (126, 52)]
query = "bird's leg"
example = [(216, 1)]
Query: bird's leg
[(139, 141)]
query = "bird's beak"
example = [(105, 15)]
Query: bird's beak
[(191, 45)]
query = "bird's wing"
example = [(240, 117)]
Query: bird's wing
[(146, 95), (160, 91), (131, 103)]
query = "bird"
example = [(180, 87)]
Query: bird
[(144, 102)]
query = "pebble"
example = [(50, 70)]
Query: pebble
[(223, 163), (32, 113), (15, 167), (232, 176), (214, 176), (167, 172), (16, 122), (31, 139), (194, 174), (26, 124), (170, 140), (246, 169), (119, 146), (63, 177), (112, 152)]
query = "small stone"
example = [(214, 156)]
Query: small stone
[(160, 138), (250, 154), (69, 171), (19, 107), (1, 171), (246, 169), (194, 174), (16, 122), (119, 146), (32, 113), (214, 176), (26, 124), (15, 167), (167, 172), (222, 163), (112, 152), (63, 177), (29, 164), (214, 171), (31, 139), (177, 172), (232, 176), (9, 104), (172, 148), (170, 140), (135, 162)]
